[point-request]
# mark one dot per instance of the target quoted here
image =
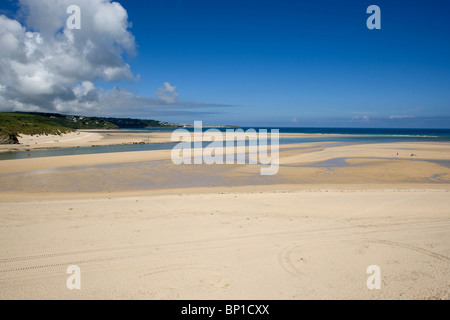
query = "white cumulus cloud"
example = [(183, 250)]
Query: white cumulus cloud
[(43, 63), (47, 67), (168, 93)]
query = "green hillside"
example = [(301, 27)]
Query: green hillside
[(24, 123), (17, 123), (76, 122), (14, 124), (138, 123)]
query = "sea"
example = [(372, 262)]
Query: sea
[(347, 136)]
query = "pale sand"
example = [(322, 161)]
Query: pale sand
[(296, 245), (308, 233)]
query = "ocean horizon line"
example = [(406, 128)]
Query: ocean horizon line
[(407, 132)]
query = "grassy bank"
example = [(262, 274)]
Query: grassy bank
[(12, 125)]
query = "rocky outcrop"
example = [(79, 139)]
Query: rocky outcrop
[(8, 139)]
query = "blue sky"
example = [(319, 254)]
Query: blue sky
[(291, 63)]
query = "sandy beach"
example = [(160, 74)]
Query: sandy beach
[(140, 227), (235, 151)]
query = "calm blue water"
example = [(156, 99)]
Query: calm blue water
[(352, 136)]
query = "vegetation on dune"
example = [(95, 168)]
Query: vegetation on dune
[(14, 124), (18, 123), (77, 122)]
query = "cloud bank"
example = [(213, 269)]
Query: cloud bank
[(45, 66)]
